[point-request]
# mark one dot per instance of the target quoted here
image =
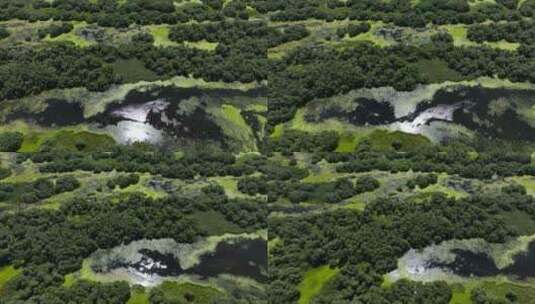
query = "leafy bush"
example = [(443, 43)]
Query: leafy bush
[(10, 141)]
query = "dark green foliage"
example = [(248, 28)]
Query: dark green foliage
[(236, 9), (422, 181), (58, 66), (143, 38), (4, 33), (366, 184), (527, 8), (55, 30), (66, 183), (41, 284), (453, 159), (293, 140), (353, 30), (523, 31), (479, 296), (325, 72), (131, 159), (123, 181), (59, 240), (4, 172), (10, 141), (510, 4), (297, 192), (366, 245), (32, 192)]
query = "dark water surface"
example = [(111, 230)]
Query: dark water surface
[(57, 113), (476, 101), (247, 258), (197, 124), (468, 264), (472, 109)]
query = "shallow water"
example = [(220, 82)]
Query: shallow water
[(128, 132), (57, 113), (445, 262), (448, 112), (151, 263), (419, 121), (480, 265), (169, 112), (140, 112)]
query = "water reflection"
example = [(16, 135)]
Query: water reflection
[(148, 263)]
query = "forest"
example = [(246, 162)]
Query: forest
[(267, 151)]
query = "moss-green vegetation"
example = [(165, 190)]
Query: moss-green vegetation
[(385, 140), (133, 70), (71, 138), (499, 289), (214, 223), (202, 45), (6, 274), (79, 141), (460, 294), (521, 222), (496, 288), (479, 2), (459, 32), (437, 71), (314, 281), (233, 124), (187, 292), (73, 36), (527, 181), (138, 296), (347, 143), (371, 36), (161, 35)]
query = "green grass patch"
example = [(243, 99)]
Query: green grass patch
[(161, 35), (214, 223), (277, 132), (72, 36), (383, 140), (202, 45), (67, 138), (86, 273), (522, 222), (143, 187), (496, 288), (322, 177), (437, 71), (6, 274), (479, 2), (441, 187), (371, 37), (138, 296), (524, 292), (231, 121), (314, 281), (459, 33), (460, 294), (69, 280), (133, 70), (180, 292), (82, 141), (347, 143), (528, 182), (230, 184), (234, 114), (355, 204), (503, 45)]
